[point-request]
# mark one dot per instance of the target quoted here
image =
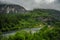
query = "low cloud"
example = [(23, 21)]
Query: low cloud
[(32, 4)]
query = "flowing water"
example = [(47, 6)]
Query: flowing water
[(33, 30)]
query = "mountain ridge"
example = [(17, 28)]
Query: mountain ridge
[(11, 8)]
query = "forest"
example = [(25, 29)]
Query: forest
[(31, 19)]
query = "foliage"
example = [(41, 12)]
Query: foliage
[(17, 21), (46, 33)]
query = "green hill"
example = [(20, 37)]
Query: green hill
[(30, 19)]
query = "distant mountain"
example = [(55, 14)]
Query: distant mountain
[(51, 12), (11, 8)]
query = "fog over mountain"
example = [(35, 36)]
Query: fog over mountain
[(32, 4)]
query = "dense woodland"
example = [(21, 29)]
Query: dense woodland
[(31, 19)]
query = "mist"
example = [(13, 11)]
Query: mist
[(32, 4)]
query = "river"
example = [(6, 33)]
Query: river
[(33, 30)]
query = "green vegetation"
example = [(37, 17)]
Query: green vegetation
[(46, 33), (10, 22), (16, 21), (31, 19)]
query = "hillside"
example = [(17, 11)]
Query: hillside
[(51, 12), (11, 8), (9, 22), (46, 19)]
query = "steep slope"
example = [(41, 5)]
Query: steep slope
[(11, 8)]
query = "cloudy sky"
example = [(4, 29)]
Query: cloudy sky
[(32, 4)]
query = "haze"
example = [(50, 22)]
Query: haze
[(32, 4)]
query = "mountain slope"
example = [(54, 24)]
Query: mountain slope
[(50, 12), (15, 21), (11, 8)]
